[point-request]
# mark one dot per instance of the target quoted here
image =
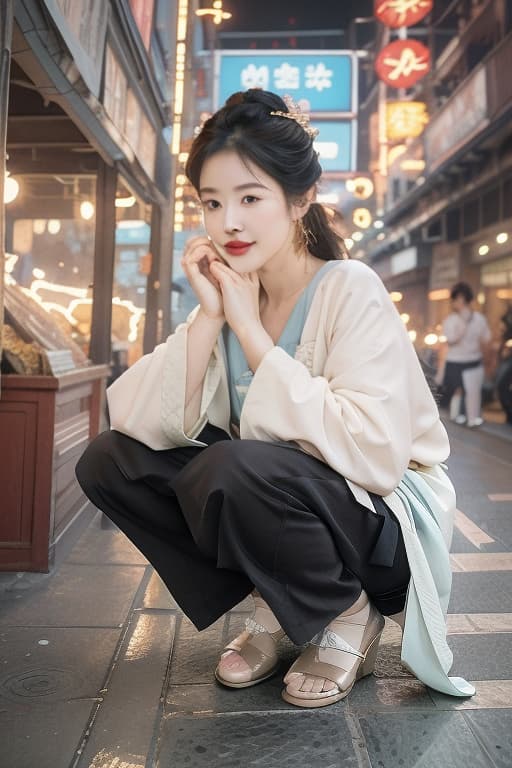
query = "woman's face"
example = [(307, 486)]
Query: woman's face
[(246, 213)]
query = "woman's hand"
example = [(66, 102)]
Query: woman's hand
[(198, 258), (240, 296), (241, 299)]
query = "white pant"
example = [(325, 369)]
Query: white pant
[(473, 379)]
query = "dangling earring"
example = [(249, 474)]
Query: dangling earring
[(303, 236)]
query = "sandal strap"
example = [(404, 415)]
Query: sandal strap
[(329, 639), (308, 664), (254, 627), (247, 644)]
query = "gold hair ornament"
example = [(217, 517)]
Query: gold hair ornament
[(295, 113)]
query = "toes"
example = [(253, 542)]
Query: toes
[(233, 661), (294, 681), (318, 685), (307, 685)]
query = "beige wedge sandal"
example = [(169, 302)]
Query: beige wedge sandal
[(312, 663), (257, 647)]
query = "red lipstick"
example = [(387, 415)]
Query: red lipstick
[(237, 247)]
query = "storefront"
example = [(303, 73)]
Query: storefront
[(88, 248)]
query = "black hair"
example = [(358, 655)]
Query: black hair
[(464, 290), (279, 146)]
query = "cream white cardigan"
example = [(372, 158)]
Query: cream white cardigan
[(354, 396)]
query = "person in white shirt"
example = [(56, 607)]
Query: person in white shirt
[(467, 333), (281, 441)]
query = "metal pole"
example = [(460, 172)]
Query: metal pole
[(104, 254)]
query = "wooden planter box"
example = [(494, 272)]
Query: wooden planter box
[(46, 423)]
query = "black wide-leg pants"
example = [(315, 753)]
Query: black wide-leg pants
[(218, 521)]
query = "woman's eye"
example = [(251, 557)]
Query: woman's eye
[(250, 199), (210, 205)]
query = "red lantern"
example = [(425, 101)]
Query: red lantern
[(402, 63), (402, 13)]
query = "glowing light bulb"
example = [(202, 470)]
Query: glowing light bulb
[(11, 189), (39, 226), (86, 210), (54, 226)]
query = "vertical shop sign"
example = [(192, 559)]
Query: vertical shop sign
[(402, 13), (402, 63), (461, 118), (83, 25)]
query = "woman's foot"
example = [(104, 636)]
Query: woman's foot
[(345, 651), (252, 656)]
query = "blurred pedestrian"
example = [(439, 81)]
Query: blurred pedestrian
[(283, 440), (467, 335)]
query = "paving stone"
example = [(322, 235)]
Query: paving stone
[(461, 544), (388, 663), (77, 595), (429, 740), (481, 562), (494, 728), (388, 695), (48, 691), (127, 716), (104, 543), (490, 694), (157, 595), (479, 623), (498, 524), (481, 593), (213, 698), (43, 738), (482, 657), (309, 739)]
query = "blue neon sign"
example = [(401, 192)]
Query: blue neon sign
[(335, 144), (324, 80)]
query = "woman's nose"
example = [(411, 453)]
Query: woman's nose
[(232, 222)]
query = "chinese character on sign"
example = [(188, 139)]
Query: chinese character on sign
[(318, 76), (286, 77), (405, 119), (402, 13), (254, 77), (403, 63)]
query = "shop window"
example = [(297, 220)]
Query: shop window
[(131, 269), (50, 231)]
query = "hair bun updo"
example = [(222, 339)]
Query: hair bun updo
[(282, 148)]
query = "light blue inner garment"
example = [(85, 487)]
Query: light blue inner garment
[(239, 374)]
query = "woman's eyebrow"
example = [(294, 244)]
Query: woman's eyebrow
[(239, 188)]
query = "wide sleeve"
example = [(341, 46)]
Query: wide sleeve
[(148, 401), (356, 415)]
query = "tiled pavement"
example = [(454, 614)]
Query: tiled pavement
[(99, 669)]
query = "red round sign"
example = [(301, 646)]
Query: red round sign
[(402, 13), (402, 63)]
